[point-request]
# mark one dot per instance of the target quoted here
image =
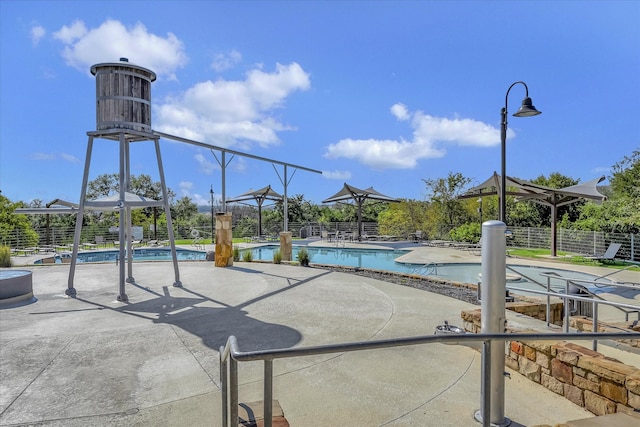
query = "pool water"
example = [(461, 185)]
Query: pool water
[(142, 254), (385, 259), (379, 259)]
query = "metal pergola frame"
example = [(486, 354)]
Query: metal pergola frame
[(223, 163)]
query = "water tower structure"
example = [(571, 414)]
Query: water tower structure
[(123, 115)]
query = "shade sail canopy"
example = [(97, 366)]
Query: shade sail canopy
[(109, 203), (349, 193), (259, 196), (553, 197)]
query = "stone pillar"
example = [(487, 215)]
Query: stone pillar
[(224, 240), (285, 245)]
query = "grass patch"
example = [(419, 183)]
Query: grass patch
[(533, 253), (567, 258)]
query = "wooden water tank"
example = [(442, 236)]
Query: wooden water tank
[(123, 96)]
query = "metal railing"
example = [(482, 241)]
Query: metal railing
[(577, 282), (230, 355)]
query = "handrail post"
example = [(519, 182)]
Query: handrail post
[(566, 307), (548, 300), (233, 384), (485, 387), (268, 392), (223, 389), (595, 322)]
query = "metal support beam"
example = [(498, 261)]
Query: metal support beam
[(71, 291), (167, 212)]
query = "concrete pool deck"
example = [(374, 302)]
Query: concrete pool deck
[(153, 361)]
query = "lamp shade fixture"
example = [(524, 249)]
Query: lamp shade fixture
[(527, 109)]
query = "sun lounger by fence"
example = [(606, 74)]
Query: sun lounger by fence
[(609, 255)]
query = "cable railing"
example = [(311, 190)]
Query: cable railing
[(231, 355)]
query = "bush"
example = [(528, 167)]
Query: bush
[(277, 257), (303, 257), (5, 256), (236, 254), (247, 256), (466, 233)]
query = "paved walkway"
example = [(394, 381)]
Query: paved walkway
[(154, 360)]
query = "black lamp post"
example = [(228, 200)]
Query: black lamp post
[(526, 110), (211, 194)]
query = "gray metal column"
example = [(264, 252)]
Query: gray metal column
[(223, 183), (167, 213), (285, 201), (129, 239), (122, 296), (71, 291), (493, 319)]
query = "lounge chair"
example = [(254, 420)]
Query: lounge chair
[(609, 255)]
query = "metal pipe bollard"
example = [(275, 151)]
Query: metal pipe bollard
[(493, 320)]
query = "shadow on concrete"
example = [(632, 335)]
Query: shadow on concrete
[(214, 325)]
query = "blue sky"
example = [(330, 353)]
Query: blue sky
[(381, 94)]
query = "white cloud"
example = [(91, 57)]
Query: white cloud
[(233, 112), (37, 33), (55, 156), (400, 111), (185, 185), (337, 175), (69, 158), (43, 156), (185, 191), (430, 137), (206, 166), (112, 40), (223, 62), (68, 35)]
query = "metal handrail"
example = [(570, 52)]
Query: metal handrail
[(576, 281), (426, 269), (230, 355)]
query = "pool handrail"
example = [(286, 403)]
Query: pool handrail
[(230, 355)]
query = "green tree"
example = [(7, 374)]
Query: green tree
[(621, 212), (183, 211), (444, 192), (15, 229), (405, 217), (625, 179), (106, 185)]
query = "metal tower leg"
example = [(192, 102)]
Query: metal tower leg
[(71, 291), (122, 296), (167, 212)]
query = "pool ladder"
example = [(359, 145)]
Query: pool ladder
[(426, 269)]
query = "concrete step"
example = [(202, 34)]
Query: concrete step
[(251, 414), (619, 419)]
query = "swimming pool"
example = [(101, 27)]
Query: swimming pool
[(385, 259), (140, 254)]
